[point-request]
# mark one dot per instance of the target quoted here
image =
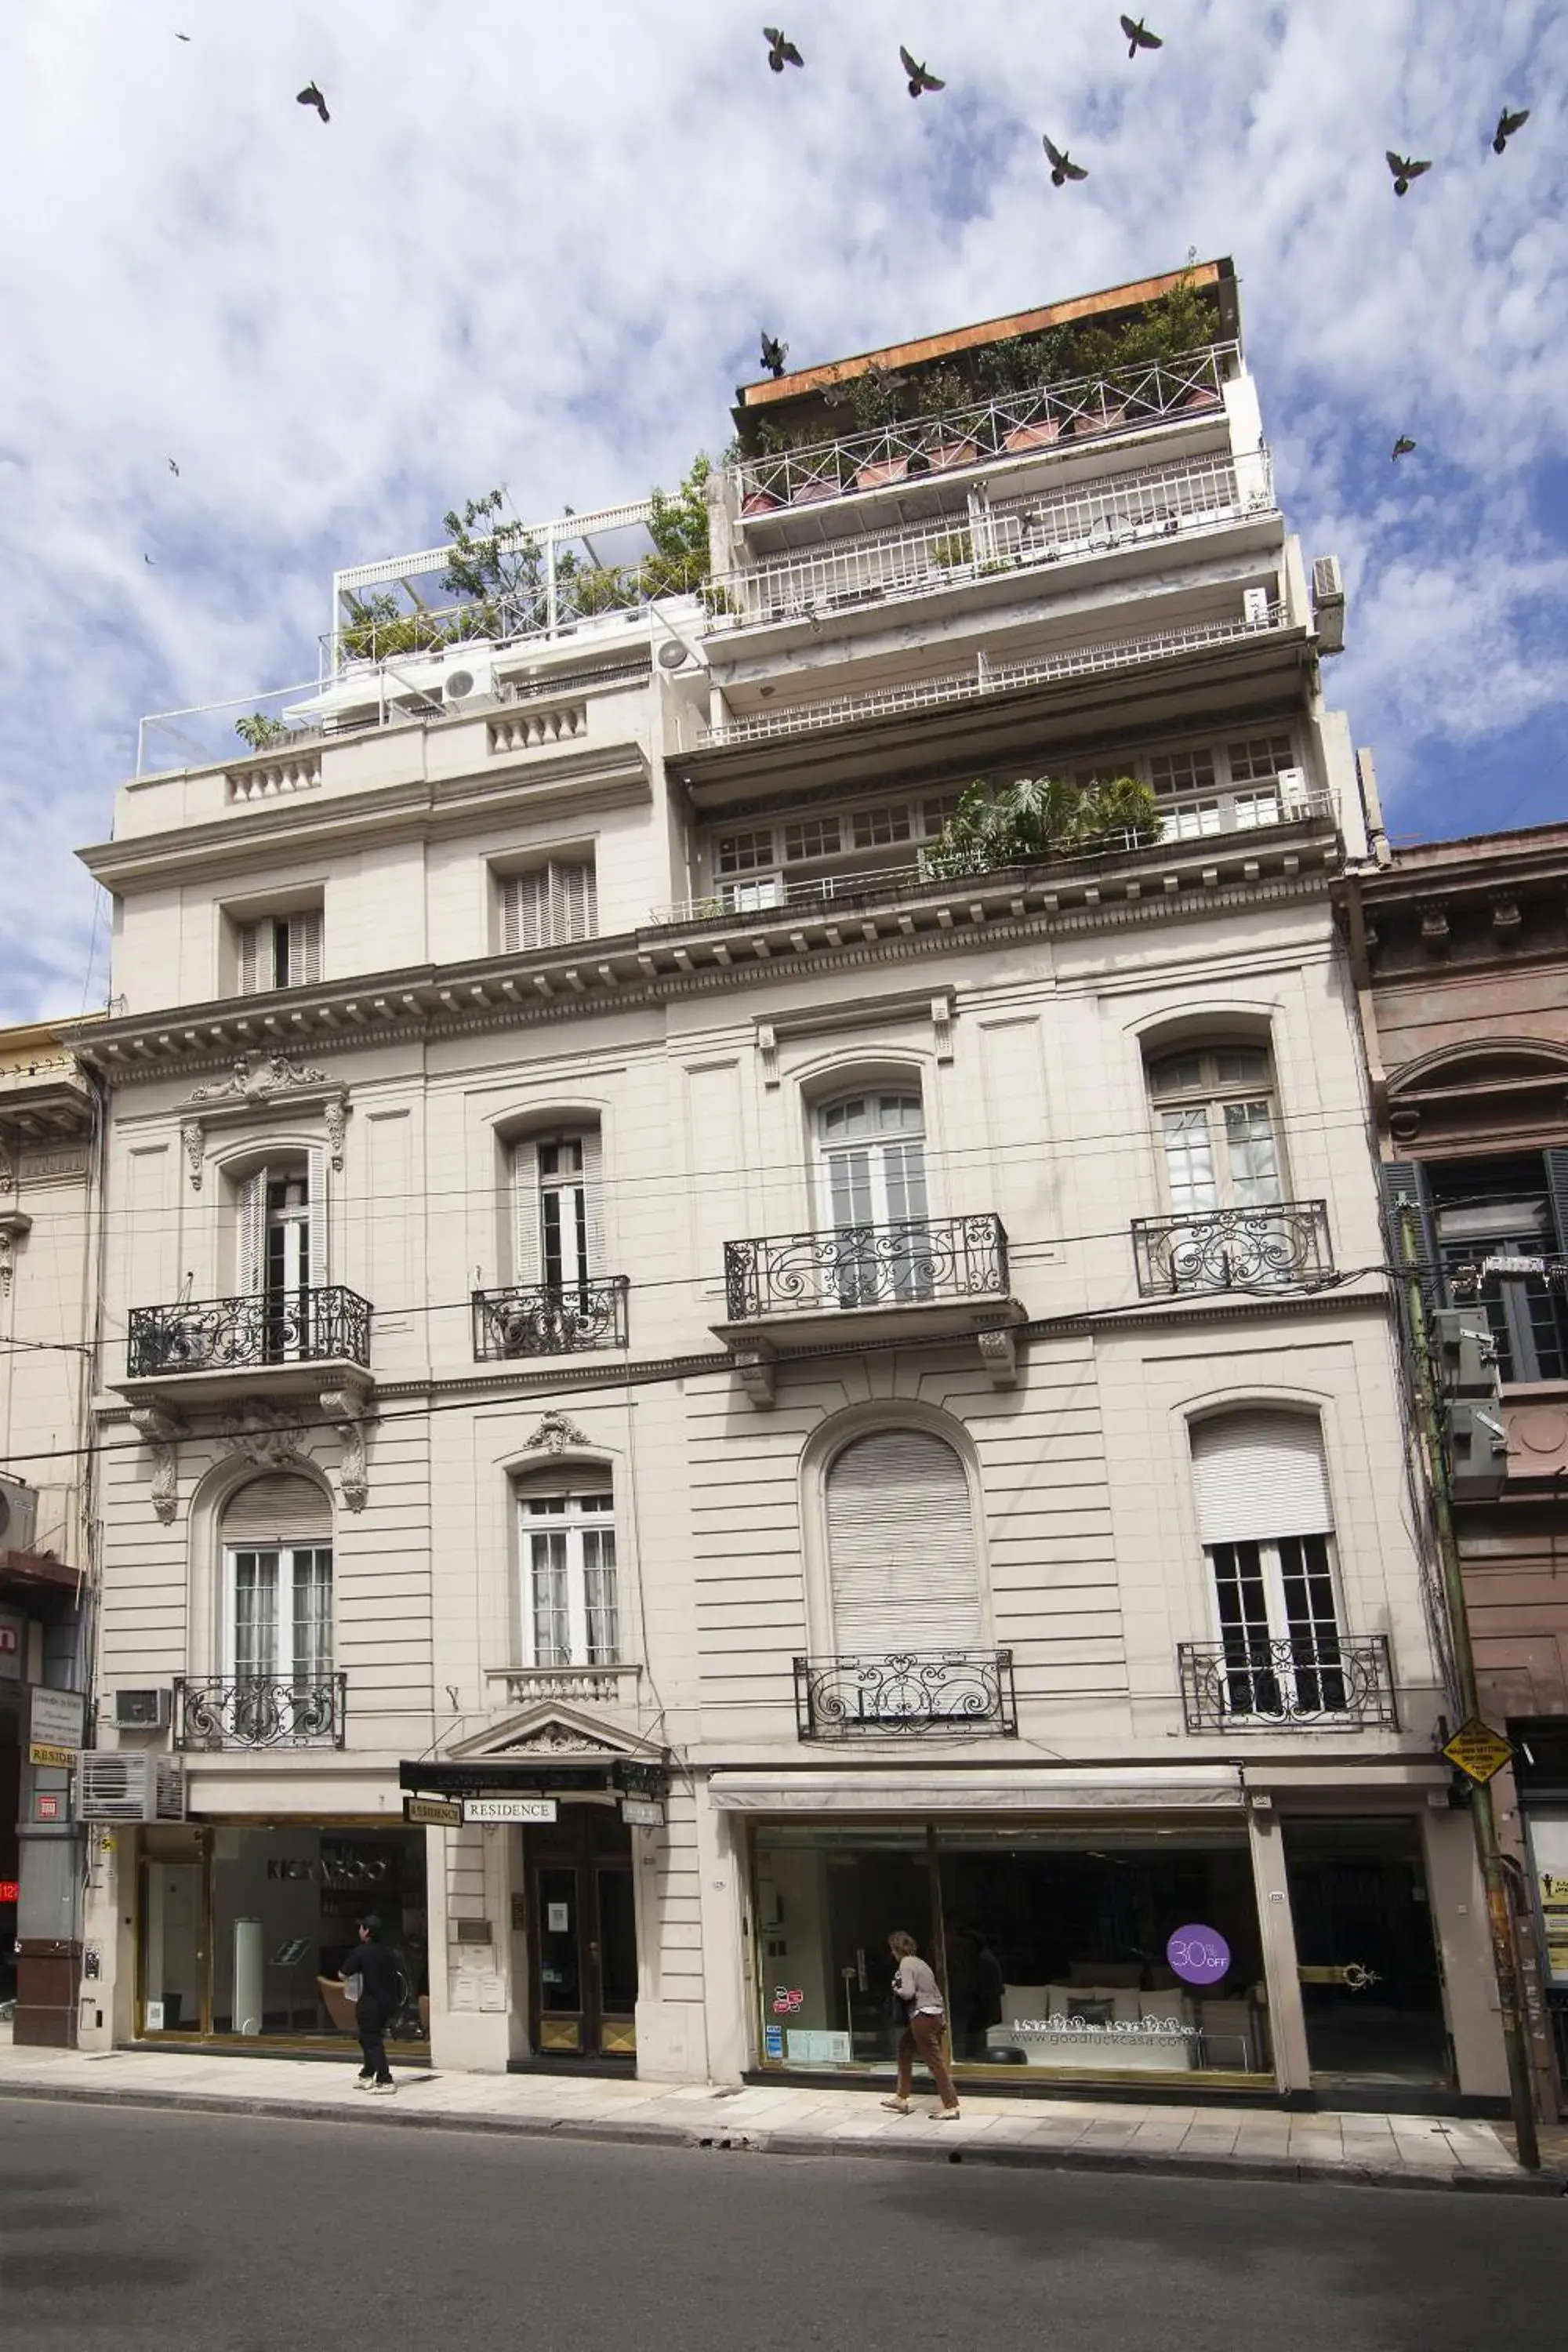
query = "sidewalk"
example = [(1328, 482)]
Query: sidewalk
[(1398, 2151)]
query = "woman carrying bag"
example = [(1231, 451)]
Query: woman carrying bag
[(918, 2007)]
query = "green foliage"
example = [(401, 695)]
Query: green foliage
[(1037, 819), (950, 553), (678, 528), (379, 628), (1023, 362), (1178, 322), (497, 565), (874, 397), (258, 730), (943, 392)]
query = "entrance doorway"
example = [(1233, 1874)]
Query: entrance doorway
[(1371, 1989), (582, 1934)]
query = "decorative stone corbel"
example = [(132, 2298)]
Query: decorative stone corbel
[(14, 1224), (160, 1432), (555, 1433), (350, 1408), (193, 1135), (336, 1116), (768, 1052), (1507, 919), (8, 1170), (942, 1027), (999, 1354), (756, 1367), (265, 1434)]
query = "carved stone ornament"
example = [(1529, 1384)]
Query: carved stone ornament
[(256, 1077), (8, 1170), (350, 1408), (267, 1435), (336, 1116), (555, 1433), (160, 1432), (556, 1739), (193, 1136)]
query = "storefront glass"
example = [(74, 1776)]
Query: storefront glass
[(1080, 1951)]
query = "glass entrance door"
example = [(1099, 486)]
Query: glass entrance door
[(1370, 1990), (175, 1946), (582, 1936)]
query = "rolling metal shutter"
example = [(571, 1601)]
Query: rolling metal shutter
[(1259, 1475), (279, 1508), (901, 1540)]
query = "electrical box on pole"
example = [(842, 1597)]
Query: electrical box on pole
[(1474, 1431)]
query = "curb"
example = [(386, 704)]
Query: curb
[(634, 2133)]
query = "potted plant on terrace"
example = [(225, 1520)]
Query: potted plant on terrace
[(944, 395), (1037, 819)]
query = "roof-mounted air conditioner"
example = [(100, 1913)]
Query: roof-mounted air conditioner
[(1329, 604), (123, 1784), (19, 1515), (468, 677)]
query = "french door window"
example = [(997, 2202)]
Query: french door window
[(282, 1231), (1266, 1525), (571, 1605), (280, 1614), (1498, 1245), (1217, 1127), (873, 1176)]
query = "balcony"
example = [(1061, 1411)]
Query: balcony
[(911, 1691), (1249, 1682), (253, 1712), (1285, 1247), (541, 1320), (988, 432), (300, 1340), (1078, 523)]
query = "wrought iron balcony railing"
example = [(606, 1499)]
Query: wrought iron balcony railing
[(253, 1712), (1282, 1247), (327, 1325), (1245, 1682), (909, 1691), (919, 1261), (546, 1319), (983, 432)]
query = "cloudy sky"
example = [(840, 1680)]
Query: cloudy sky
[(534, 247)]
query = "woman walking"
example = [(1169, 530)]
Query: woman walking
[(920, 2004)]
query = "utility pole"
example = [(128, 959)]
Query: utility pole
[(1521, 2088)]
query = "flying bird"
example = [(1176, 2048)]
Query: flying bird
[(173, 468), (1404, 447), (774, 354), (1403, 171), (919, 77), (781, 52), (1138, 37), (182, 36), (1507, 124), (146, 559), (311, 96), (1063, 168)]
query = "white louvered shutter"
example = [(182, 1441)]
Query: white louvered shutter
[(316, 1196), (901, 1541), (250, 1252), (1259, 1475), (281, 1508), (305, 948), (255, 958), (573, 902), (520, 911), (525, 1246), (594, 1200), (550, 905)]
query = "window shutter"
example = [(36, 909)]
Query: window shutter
[(1258, 1476), (549, 905), (281, 1508), (250, 1210), (901, 1540), (253, 974), (305, 948), (316, 1197), (525, 1249), (573, 902), (522, 923), (593, 1199), (1405, 1181), (1557, 1188)]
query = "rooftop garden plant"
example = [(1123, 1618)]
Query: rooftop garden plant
[(1037, 819)]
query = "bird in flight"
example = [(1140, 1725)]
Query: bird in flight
[(311, 96), (919, 77), (1138, 37), (1404, 447), (781, 52), (182, 36), (173, 468), (1507, 124), (774, 354), (1063, 168), (146, 559), (1403, 171)]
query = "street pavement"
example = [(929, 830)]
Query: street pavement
[(139, 2229)]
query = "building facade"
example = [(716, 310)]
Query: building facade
[(686, 1385), (1460, 957), (49, 1263)]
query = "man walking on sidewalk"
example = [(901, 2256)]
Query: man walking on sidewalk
[(373, 1983)]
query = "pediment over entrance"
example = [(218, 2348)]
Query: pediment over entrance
[(557, 1732)]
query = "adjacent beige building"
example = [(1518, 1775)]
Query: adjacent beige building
[(760, 1395)]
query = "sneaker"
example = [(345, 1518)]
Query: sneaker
[(383, 2089), (897, 2106), (945, 2116), (363, 2081)]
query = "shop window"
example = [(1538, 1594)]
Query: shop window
[(1267, 1530), (1214, 1108), (558, 1230), (903, 1563), (549, 906), (279, 952), (570, 1602)]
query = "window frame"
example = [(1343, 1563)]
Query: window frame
[(572, 1510), (286, 1671), (1212, 1094)]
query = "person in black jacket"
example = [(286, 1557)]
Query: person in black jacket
[(375, 1967)]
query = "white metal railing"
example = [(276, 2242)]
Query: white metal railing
[(995, 536), (762, 896), (985, 678), (983, 431)]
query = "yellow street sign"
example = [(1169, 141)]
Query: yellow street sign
[(1477, 1750), (434, 1812), (58, 1760)]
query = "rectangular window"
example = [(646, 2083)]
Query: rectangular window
[(572, 1606), (754, 897), (876, 828), (558, 1235), (549, 906), (1259, 759), (939, 811), (1279, 1626), (1183, 771), (1194, 822), (282, 1614), (742, 853), (279, 952), (1498, 1246), (815, 836)]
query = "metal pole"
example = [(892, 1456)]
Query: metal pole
[(1521, 2089)]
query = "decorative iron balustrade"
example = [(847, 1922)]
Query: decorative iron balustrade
[(1246, 1682), (919, 1261), (253, 1712), (981, 432), (908, 1691), (325, 1325), (546, 1319), (1282, 1247)]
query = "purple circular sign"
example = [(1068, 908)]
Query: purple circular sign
[(1199, 1956)]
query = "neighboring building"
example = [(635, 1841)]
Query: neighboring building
[(858, 1400), (49, 1247), (1460, 955)]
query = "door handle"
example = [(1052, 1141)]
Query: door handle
[(1351, 1974)]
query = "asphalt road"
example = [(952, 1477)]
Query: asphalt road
[(238, 2235)]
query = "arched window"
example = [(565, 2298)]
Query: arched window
[(872, 1173), (902, 1564), (1267, 1529), (570, 1602), (1214, 1110), (277, 1549), (558, 1230)]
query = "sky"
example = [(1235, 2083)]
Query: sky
[(534, 247)]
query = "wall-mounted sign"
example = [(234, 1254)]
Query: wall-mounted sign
[(434, 1812), (772, 2041), (10, 1890), (46, 1806), (154, 2017), (557, 1919), (642, 1814), (1480, 1752), (52, 1758), (56, 1717), (811, 2047), (1199, 1956), (509, 1809), (10, 1648)]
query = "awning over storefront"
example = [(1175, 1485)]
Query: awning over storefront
[(1018, 1789), (533, 1776)]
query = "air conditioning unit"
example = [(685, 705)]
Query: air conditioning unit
[(19, 1515), (468, 677), (1292, 792), (130, 1785), (142, 1710), (1255, 607), (1329, 604)]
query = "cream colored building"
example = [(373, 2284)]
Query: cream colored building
[(626, 1296)]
